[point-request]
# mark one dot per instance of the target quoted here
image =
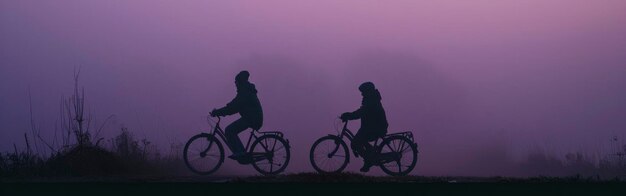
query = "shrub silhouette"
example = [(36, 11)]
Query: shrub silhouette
[(86, 161)]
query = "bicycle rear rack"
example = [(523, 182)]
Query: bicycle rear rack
[(277, 133), (406, 134)]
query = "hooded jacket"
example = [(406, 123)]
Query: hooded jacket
[(371, 113), (246, 103)]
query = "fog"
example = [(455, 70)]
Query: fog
[(479, 83)]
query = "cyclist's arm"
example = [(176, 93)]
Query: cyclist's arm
[(231, 108), (354, 115)]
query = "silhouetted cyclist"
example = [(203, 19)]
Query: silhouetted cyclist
[(247, 104), (373, 123)]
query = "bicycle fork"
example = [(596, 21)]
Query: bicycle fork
[(332, 154), (203, 153)]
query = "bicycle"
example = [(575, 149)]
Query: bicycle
[(269, 153), (396, 154)]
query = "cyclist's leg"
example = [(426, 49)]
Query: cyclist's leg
[(232, 139), (361, 141), (369, 148), (361, 145), (357, 143)]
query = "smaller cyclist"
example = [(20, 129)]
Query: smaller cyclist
[(373, 123)]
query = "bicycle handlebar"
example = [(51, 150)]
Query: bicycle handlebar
[(219, 118), (345, 122)]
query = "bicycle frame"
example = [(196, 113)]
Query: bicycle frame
[(345, 132), (217, 130)]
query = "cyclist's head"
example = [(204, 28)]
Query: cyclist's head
[(242, 76), (367, 87)]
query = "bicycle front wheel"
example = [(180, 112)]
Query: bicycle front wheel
[(203, 154), (270, 154), (329, 154), (398, 156)]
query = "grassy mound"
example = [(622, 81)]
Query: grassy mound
[(86, 161)]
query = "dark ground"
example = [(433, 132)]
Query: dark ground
[(311, 184), (311, 178)]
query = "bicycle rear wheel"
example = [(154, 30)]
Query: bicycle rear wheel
[(203, 154), (270, 154), (329, 154), (398, 156)]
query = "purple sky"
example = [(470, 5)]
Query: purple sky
[(469, 78)]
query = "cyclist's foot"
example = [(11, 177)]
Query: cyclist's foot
[(237, 156), (242, 158), (366, 167)]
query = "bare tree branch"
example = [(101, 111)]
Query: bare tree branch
[(102, 125)]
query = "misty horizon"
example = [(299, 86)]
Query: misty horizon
[(479, 84)]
